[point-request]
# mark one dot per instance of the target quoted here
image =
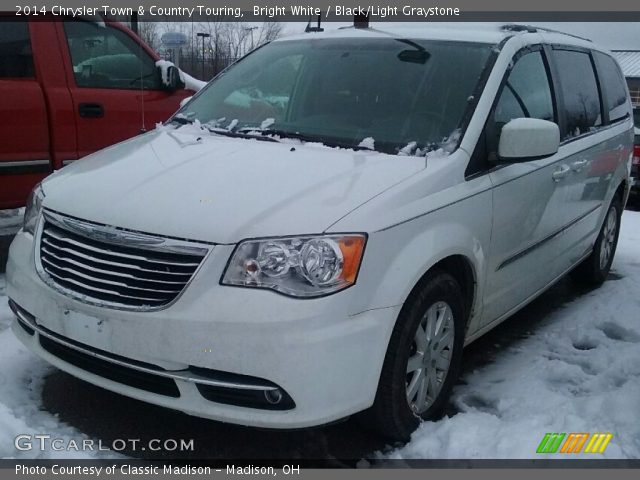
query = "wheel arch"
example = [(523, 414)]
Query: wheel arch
[(461, 268)]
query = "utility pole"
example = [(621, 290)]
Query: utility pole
[(203, 35), (193, 49)]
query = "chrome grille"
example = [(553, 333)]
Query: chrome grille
[(113, 267)]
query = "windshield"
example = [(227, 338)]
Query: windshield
[(394, 96)]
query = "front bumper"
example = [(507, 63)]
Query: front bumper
[(325, 357)]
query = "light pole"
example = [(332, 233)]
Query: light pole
[(203, 35), (250, 30)]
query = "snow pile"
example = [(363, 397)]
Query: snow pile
[(11, 221), (21, 378), (190, 83), (266, 123), (408, 149), (579, 372), (368, 143)]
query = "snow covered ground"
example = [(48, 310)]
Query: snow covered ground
[(21, 376), (578, 372)]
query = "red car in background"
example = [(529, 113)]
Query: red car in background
[(69, 88), (635, 164)]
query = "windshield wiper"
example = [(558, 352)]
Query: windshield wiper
[(274, 132), (237, 134), (181, 120)]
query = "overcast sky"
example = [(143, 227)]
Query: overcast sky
[(614, 36)]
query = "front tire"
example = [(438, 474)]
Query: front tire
[(595, 268), (422, 360)]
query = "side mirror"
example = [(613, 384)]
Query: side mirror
[(171, 78), (524, 139)]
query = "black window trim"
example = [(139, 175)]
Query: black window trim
[(481, 147), (477, 93), (599, 68), (563, 126)]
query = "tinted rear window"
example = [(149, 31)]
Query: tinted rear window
[(16, 60), (613, 83), (580, 92)]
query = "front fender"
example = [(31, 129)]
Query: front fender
[(398, 257)]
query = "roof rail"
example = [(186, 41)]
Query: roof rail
[(514, 27), (309, 28)]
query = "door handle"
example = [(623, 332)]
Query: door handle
[(560, 173), (578, 165), (91, 110)]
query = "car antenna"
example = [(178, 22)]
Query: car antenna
[(142, 128), (309, 28)]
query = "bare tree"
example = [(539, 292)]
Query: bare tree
[(227, 41), (267, 32), (150, 33), (237, 36)]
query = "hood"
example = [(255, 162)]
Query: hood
[(196, 185)]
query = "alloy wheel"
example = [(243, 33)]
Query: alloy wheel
[(608, 237), (430, 357)]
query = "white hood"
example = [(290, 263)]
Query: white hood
[(202, 186)]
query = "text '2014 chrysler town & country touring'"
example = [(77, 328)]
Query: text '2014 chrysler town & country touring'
[(322, 229)]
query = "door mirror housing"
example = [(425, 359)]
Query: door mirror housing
[(524, 139), (171, 80)]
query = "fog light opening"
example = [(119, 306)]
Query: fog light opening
[(273, 396)]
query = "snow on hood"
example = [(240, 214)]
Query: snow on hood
[(189, 183)]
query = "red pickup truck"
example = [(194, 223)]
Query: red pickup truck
[(69, 88)]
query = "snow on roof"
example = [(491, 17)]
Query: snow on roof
[(417, 30), (629, 61)]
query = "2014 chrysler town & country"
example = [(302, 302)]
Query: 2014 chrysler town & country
[(322, 229)]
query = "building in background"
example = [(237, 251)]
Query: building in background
[(629, 60)]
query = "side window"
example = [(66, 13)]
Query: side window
[(16, 59), (105, 57), (612, 82), (579, 91), (526, 94)]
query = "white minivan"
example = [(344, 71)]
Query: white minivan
[(322, 229)]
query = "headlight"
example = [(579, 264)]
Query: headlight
[(297, 266), (33, 209)]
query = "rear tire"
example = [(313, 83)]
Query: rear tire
[(595, 268), (422, 360)]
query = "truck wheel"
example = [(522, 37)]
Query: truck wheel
[(422, 360), (595, 268)]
